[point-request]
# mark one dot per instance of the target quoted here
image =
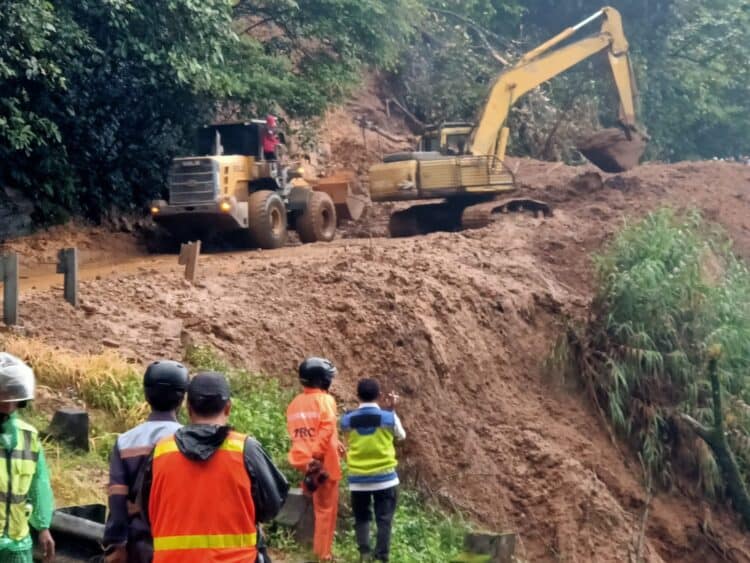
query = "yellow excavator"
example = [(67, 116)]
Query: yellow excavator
[(464, 163)]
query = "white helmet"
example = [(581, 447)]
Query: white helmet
[(16, 380)]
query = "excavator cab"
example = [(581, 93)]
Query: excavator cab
[(450, 138)]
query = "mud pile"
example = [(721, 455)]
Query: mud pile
[(459, 324)]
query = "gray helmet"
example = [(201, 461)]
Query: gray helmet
[(317, 372), (164, 384), (16, 380)]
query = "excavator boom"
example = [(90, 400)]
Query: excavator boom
[(539, 65)]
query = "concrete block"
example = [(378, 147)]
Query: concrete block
[(70, 425), (483, 547), (297, 513)]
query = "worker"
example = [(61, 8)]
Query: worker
[(270, 139), (206, 489), (311, 423), (127, 538), (371, 458), (24, 476)]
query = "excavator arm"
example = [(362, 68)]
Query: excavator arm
[(490, 135)]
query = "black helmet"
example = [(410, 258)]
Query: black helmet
[(164, 384), (317, 372)]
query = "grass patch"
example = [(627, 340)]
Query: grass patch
[(112, 389), (669, 288), (102, 381), (421, 532)]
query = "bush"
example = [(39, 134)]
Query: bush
[(669, 288)]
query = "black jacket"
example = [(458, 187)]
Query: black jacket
[(199, 442)]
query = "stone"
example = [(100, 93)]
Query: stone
[(481, 547), (70, 425), (297, 514)]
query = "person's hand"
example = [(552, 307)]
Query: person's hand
[(47, 545), (391, 400), (314, 466), (119, 555), (341, 448)]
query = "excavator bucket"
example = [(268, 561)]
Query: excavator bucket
[(613, 150), (345, 190)]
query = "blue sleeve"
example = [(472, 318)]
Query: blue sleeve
[(116, 528), (346, 422)]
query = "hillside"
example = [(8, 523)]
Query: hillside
[(459, 324)]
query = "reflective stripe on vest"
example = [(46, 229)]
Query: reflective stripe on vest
[(20, 466), (205, 542), (202, 511)]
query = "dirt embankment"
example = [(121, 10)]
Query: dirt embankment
[(459, 325)]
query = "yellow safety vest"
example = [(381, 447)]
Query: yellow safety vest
[(17, 468)]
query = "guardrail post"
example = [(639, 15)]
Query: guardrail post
[(9, 276), (67, 264), (189, 254)]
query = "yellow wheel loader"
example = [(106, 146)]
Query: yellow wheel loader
[(463, 163), (231, 190)]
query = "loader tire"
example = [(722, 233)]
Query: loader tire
[(317, 223), (267, 221)]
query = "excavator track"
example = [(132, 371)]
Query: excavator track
[(458, 215), (482, 214), (425, 219)]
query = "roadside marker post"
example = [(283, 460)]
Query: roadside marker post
[(189, 254), (67, 264), (9, 276)]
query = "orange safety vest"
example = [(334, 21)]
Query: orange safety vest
[(202, 511)]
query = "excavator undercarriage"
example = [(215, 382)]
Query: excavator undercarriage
[(460, 213)]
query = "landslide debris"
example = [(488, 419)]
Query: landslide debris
[(459, 325)]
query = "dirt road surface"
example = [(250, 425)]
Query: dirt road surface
[(459, 325)]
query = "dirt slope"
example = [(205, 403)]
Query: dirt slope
[(458, 324)]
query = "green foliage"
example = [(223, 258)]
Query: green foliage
[(669, 288), (446, 72), (421, 533)]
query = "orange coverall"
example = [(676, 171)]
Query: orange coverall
[(311, 422)]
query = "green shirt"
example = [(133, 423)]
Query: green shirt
[(40, 494)]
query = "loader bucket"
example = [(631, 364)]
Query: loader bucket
[(613, 150), (344, 189)]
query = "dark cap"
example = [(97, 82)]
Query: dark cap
[(208, 392)]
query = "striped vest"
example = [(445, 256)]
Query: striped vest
[(202, 511), (372, 455), (17, 469)]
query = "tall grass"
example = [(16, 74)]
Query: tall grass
[(102, 381), (669, 287)]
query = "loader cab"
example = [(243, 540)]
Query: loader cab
[(449, 138), (238, 138)]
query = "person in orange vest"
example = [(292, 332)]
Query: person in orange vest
[(206, 489), (311, 422)]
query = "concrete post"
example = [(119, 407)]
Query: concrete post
[(9, 277), (189, 254), (67, 264)]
